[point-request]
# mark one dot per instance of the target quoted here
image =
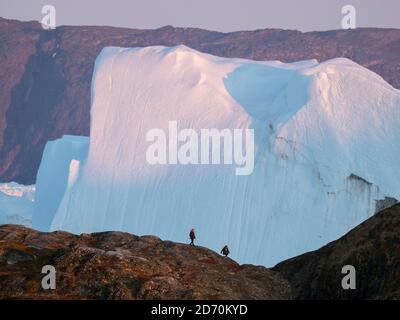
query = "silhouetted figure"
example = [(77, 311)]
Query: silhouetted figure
[(225, 251), (192, 236)]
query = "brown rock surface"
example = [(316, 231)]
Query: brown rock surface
[(116, 265)]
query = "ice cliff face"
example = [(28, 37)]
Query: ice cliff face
[(56, 172), (326, 150)]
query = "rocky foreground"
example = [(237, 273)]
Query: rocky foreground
[(116, 265)]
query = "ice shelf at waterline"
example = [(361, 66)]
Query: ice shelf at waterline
[(326, 139), (16, 203)]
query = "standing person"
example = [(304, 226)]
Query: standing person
[(225, 251), (192, 236)]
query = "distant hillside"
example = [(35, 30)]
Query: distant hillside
[(45, 75)]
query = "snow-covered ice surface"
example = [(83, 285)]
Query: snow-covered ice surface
[(16, 203), (326, 138)]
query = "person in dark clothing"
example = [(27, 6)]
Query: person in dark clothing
[(225, 251), (192, 236)]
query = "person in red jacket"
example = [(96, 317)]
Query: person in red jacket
[(192, 236)]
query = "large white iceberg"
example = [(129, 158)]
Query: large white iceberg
[(326, 143)]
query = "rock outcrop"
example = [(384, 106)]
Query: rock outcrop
[(372, 248), (116, 265)]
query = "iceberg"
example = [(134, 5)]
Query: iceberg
[(325, 152)]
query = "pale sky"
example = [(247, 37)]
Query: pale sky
[(220, 15)]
